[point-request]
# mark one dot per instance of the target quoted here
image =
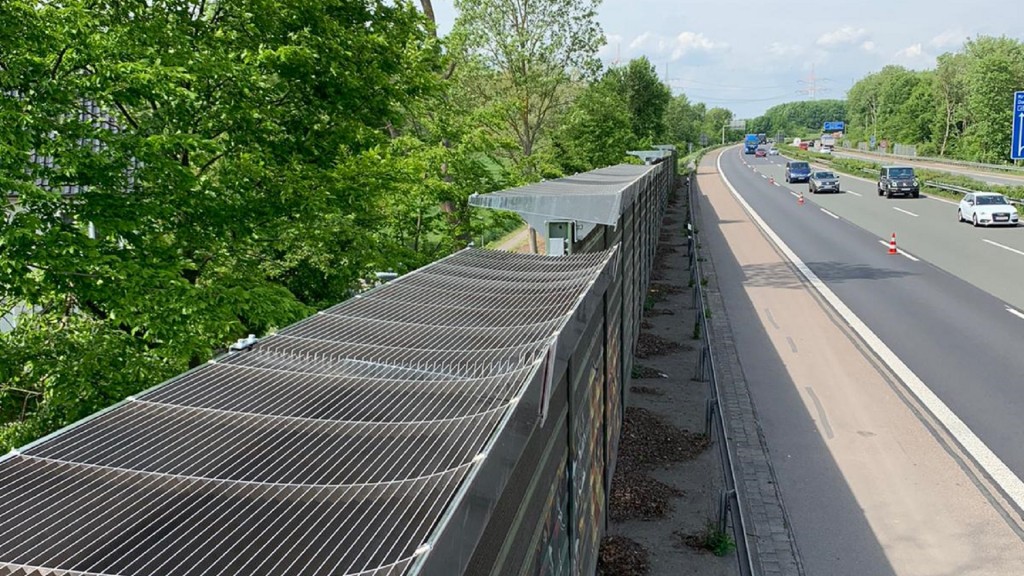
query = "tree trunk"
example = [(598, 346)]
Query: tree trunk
[(428, 10), (945, 137)]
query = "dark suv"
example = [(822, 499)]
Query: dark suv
[(893, 180), (798, 171)]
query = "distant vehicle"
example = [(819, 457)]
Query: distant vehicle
[(987, 209), (797, 171), (802, 145), (796, 141), (827, 141), (825, 150), (760, 152), (823, 181), (750, 144), (773, 151), (893, 180)]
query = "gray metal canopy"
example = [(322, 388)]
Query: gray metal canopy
[(333, 447), (596, 197)]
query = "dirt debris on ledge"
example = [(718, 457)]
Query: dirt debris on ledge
[(621, 556)]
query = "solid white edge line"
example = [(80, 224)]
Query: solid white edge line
[(1000, 473), (829, 213), (795, 195), (1014, 250), (900, 251), (1016, 313), (898, 209), (930, 197)]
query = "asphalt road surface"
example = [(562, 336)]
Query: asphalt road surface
[(874, 483)]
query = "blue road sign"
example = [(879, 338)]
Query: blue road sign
[(834, 127), (1017, 139)]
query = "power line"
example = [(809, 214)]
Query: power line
[(674, 81)]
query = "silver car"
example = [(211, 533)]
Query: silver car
[(823, 181)]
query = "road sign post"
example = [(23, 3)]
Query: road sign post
[(1017, 138)]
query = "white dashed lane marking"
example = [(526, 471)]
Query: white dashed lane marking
[(899, 251), (905, 211), (1014, 250), (830, 214)]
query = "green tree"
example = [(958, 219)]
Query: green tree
[(597, 129), (951, 96), (683, 121), (994, 70), (228, 170), (917, 115), (646, 96), (715, 124), (530, 52)]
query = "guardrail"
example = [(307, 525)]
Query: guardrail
[(729, 499), (962, 190), (950, 161)]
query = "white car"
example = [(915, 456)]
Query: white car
[(987, 209), (773, 151)]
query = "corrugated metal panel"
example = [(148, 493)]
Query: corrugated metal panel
[(598, 197), (333, 447)]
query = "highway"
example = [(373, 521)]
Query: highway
[(948, 312), (1003, 179)]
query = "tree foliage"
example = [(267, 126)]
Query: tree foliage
[(960, 109), (797, 118), (597, 130), (646, 96), (186, 172), (239, 164), (529, 52)]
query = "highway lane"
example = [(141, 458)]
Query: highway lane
[(1003, 179), (868, 488), (926, 228), (957, 337)]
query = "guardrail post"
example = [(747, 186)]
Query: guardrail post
[(723, 509), (710, 407)]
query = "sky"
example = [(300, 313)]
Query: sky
[(750, 55)]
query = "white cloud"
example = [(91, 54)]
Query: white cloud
[(915, 57), (681, 46), (868, 46), (950, 39), (691, 42), (784, 50), (910, 52), (844, 36), (640, 41)]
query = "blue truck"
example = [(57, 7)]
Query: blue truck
[(750, 143)]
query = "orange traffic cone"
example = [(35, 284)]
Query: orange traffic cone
[(892, 244), (800, 199)]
